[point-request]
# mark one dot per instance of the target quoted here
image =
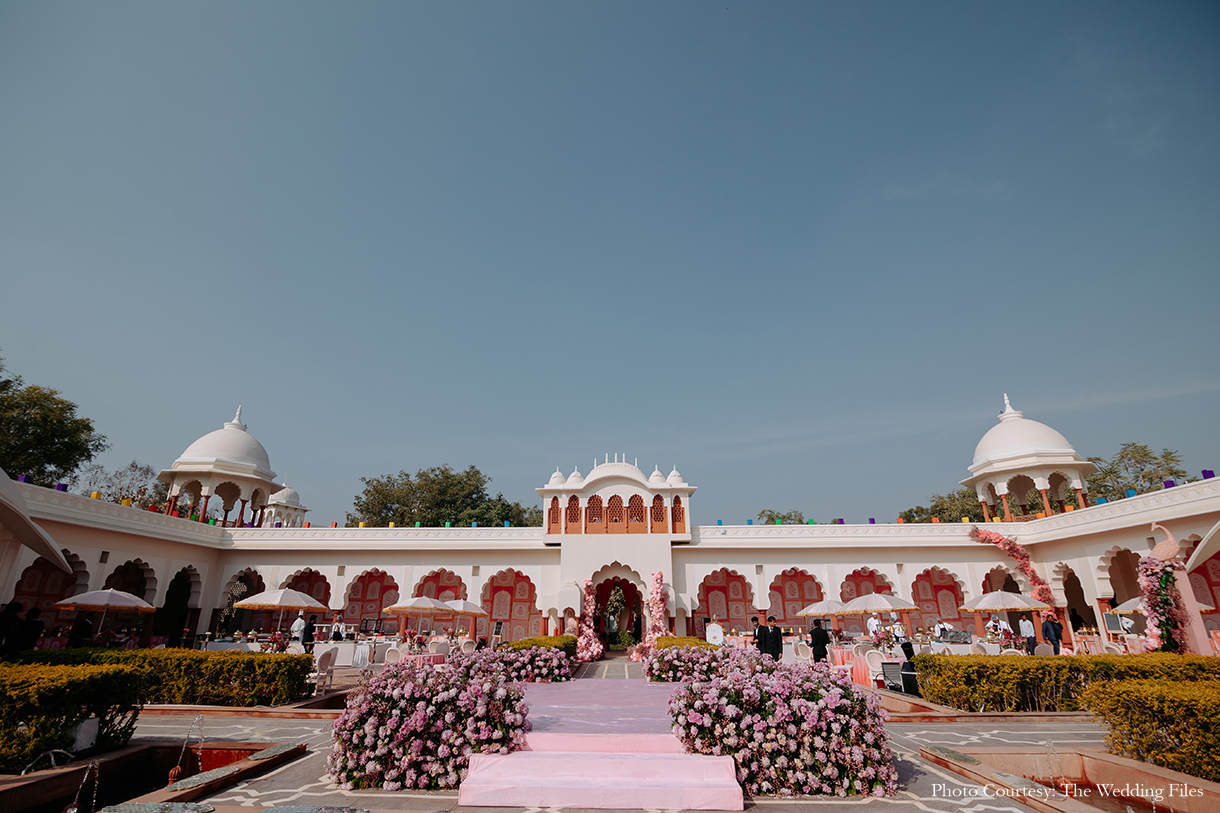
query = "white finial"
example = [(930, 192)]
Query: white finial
[(656, 469), (237, 418), (637, 462), (1007, 405), (1009, 413)]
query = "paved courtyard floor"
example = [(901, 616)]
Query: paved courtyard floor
[(925, 787)]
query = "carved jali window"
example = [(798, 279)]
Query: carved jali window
[(635, 509), (614, 510), (594, 511), (658, 509), (574, 514)]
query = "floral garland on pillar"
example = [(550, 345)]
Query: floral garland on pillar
[(588, 645), (1163, 606), (1042, 590), (657, 626)]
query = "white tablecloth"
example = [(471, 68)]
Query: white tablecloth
[(228, 646)]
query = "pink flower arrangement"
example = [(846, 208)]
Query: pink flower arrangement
[(588, 646), (534, 665), (1042, 590), (791, 729), (415, 726), (657, 613), (1162, 605), (685, 663)]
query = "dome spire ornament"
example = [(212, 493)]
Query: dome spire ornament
[(236, 422), (1010, 413)]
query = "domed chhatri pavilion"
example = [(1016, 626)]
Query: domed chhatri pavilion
[(614, 525)]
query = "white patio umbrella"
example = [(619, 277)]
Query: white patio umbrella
[(283, 599), (821, 608), (467, 608), (1136, 605), (1000, 601), (108, 599), (875, 603), (419, 606)]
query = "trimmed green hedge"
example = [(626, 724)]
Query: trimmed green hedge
[(203, 678), (566, 643), (667, 641), (41, 706), (1174, 725), (991, 683)]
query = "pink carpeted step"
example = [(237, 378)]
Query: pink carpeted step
[(603, 781), (602, 743)]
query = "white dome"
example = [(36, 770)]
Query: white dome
[(286, 496), (656, 476), (675, 479), (1016, 435), (231, 444), (575, 478), (557, 479)]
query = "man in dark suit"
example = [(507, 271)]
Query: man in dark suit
[(775, 639), (760, 640), (1050, 631), (819, 641)]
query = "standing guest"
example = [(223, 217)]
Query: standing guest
[(1050, 631), (758, 632), (775, 639), (1076, 620), (298, 626), (307, 634), (82, 630), (819, 640), (11, 615), (1027, 632), (25, 635)]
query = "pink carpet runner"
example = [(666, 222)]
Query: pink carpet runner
[(602, 744)]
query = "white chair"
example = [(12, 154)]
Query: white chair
[(802, 652), (1012, 652), (1042, 650), (874, 659), (837, 667), (324, 677), (1113, 649), (927, 650), (393, 655), (439, 647), (978, 649), (946, 651), (294, 649), (469, 646)]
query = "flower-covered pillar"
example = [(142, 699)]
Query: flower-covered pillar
[(588, 645), (1174, 621)]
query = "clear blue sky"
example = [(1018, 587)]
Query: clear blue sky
[(799, 249)]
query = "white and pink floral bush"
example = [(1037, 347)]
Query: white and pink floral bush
[(534, 665), (415, 726), (792, 729), (657, 613)]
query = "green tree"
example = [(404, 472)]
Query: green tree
[(136, 481), (1135, 466), (769, 517), (949, 507), (435, 496), (41, 435)]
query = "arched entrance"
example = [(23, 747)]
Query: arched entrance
[(311, 583), (229, 619), (938, 596), (371, 592), (42, 584), (175, 620), (791, 591), (726, 596), (445, 585), (861, 582), (512, 600), (609, 625), (135, 577)]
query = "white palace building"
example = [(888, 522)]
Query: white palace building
[(614, 524)]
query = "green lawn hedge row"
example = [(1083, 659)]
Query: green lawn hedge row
[(205, 678), (40, 707), (991, 683), (667, 641), (567, 643), (1171, 724)]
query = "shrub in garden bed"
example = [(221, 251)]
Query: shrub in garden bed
[(1056, 683), (414, 726), (791, 729), (567, 643), (677, 663), (1167, 723), (206, 678), (667, 641), (535, 665), (41, 706)]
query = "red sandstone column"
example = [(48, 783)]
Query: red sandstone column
[(241, 514), (1080, 499), (1046, 502), (1007, 512), (204, 509), (986, 513)]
